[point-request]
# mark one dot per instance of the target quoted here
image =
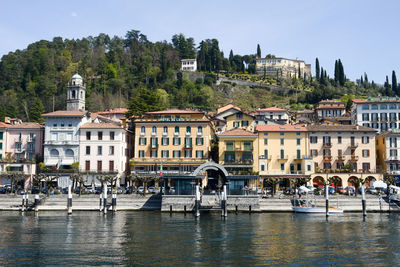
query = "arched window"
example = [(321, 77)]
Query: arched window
[(188, 129), (165, 129), (154, 129), (200, 129), (54, 153), (73, 94), (142, 129), (176, 129), (81, 94), (69, 153)]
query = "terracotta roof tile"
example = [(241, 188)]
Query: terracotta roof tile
[(114, 111), (271, 109), (339, 128), (175, 111), (281, 128), (227, 107), (65, 113), (237, 132)]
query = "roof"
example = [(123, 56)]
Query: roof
[(339, 128), (24, 125), (76, 76), (373, 100), (227, 107), (188, 59), (271, 109), (237, 132), (330, 101), (305, 111), (281, 128), (175, 111), (65, 113), (391, 132), (114, 111), (264, 58), (331, 107), (101, 125)]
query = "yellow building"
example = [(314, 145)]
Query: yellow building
[(240, 120), (388, 152), (283, 151), (171, 142)]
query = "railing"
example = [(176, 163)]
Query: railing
[(393, 158), (354, 158), (327, 158), (188, 146), (31, 139), (239, 162), (283, 157), (265, 157), (340, 158), (353, 145), (327, 145)]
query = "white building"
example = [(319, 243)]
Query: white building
[(283, 67), (103, 148), (272, 113), (189, 64), (381, 113), (76, 94)]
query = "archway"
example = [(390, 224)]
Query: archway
[(54, 153), (353, 181), (216, 175), (69, 153), (369, 180), (318, 182)]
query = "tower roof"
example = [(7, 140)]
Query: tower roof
[(76, 76)]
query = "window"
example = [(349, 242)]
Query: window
[(262, 167), (55, 125), (1, 135), (1, 146), (298, 141), (236, 124), (177, 129), (165, 129), (265, 141), (153, 142), (188, 153), (308, 166), (176, 153), (69, 125), (87, 165), (392, 106), (313, 139), (200, 130), (99, 166), (282, 166), (188, 129), (366, 166), (111, 165), (99, 150), (87, 150), (282, 141), (265, 153), (142, 141), (88, 135), (298, 133), (188, 142), (141, 153), (365, 139), (298, 152), (165, 153), (282, 133), (100, 135), (229, 146), (299, 166), (62, 125), (245, 123), (365, 116), (176, 141), (326, 140), (383, 106), (374, 107), (327, 152), (199, 154), (111, 150), (154, 130), (143, 129), (365, 107), (239, 115), (282, 154), (112, 135), (165, 141), (365, 153), (199, 141), (153, 153), (339, 139)]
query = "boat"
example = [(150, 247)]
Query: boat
[(394, 193), (307, 206)]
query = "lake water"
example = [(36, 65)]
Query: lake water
[(153, 238)]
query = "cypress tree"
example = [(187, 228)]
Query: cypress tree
[(317, 69), (336, 71), (394, 83), (258, 51), (362, 81), (341, 73), (231, 56)]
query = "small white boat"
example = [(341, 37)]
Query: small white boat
[(317, 209)]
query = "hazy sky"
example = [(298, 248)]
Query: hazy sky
[(363, 34)]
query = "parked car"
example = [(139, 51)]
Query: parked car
[(341, 190), (141, 189), (89, 190), (152, 189), (35, 190), (98, 190), (350, 190), (129, 190), (3, 190)]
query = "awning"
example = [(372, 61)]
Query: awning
[(67, 161), (51, 162)]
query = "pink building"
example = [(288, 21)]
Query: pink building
[(22, 147)]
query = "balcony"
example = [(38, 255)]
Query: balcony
[(239, 162), (353, 145), (340, 158), (283, 157), (265, 157), (327, 158), (31, 139), (326, 145), (393, 158), (353, 158), (18, 140), (188, 146), (153, 146)]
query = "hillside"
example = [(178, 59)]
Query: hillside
[(135, 72)]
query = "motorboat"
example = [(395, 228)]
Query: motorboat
[(394, 192), (307, 206)]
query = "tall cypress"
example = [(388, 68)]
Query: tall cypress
[(394, 83), (258, 51), (336, 71), (341, 73), (317, 69)]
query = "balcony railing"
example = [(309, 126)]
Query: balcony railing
[(188, 146), (340, 158), (327, 158), (393, 158), (283, 157), (327, 145), (353, 158), (239, 162), (31, 139), (353, 145), (265, 157)]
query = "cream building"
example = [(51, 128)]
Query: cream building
[(279, 115), (388, 152), (189, 64), (283, 67), (330, 108)]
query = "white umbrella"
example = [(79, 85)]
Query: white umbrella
[(379, 184), (304, 189)]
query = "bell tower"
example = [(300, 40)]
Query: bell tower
[(76, 94)]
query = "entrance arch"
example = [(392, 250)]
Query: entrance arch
[(209, 165), (216, 175), (318, 182)]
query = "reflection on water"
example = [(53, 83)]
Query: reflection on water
[(152, 238)]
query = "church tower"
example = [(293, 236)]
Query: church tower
[(76, 94)]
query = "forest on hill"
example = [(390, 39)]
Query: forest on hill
[(143, 75)]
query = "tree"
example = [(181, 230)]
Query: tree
[(146, 101), (258, 51), (336, 75), (395, 88), (317, 69), (36, 110), (341, 77)]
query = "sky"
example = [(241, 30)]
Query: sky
[(363, 34)]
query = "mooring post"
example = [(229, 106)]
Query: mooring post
[(69, 203), (363, 201), (236, 209), (26, 201), (249, 209), (36, 204), (100, 202), (105, 200), (23, 202), (327, 200), (197, 202), (224, 198), (114, 201), (184, 210)]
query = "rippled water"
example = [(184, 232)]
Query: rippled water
[(153, 238)]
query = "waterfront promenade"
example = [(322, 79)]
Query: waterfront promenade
[(155, 202)]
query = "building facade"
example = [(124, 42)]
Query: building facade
[(283, 67), (330, 109), (279, 115), (189, 65), (380, 113), (388, 152)]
